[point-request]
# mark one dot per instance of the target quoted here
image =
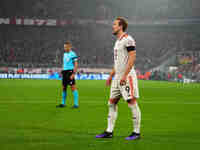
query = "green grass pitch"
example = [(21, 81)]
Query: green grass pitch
[(29, 119)]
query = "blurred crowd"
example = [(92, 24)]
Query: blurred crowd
[(43, 46), (140, 10), (157, 44)]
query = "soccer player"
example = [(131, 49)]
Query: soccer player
[(70, 66), (125, 80)]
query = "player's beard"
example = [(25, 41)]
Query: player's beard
[(67, 50), (116, 32)]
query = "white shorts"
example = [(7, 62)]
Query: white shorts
[(128, 91)]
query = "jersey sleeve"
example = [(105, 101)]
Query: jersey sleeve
[(74, 57), (130, 44)]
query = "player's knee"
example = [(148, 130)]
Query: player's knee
[(131, 101), (113, 101), (73, 88), (64, 88), (110, 105), (110, 102)]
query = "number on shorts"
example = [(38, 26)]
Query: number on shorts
[(127, 88)]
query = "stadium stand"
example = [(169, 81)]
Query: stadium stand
[(160, 33)]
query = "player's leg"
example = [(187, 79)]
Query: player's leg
[(112, 112), (75, 95), (130, 93), (64, 94), (136, 118), (64, 90), (72, 83), (112, 117)]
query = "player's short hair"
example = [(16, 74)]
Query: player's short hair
[(122, 22), (68, 43)]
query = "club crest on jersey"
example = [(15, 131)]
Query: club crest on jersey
[(67, 59)]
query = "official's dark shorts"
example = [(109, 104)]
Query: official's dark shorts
[(66, 78)]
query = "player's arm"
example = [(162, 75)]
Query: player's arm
[(74, 70), (112, 73), (75, 61), (75, 67), (131, 61)]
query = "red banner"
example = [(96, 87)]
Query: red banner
[(48, 22)]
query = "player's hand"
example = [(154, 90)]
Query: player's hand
[(108, 81), (72, 76), (123, 81)]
